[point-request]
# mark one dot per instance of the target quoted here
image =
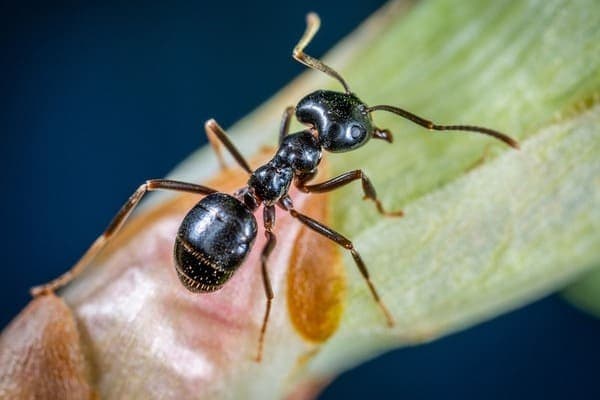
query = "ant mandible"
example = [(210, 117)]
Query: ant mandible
[(218, 232)]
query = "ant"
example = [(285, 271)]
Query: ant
[(219, 231)]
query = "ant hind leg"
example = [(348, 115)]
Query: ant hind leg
[(115, 225)]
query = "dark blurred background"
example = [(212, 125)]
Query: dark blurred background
[(95, 98)]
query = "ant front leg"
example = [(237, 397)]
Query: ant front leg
[(347, 244), (344, 179), (217, 137), (269, 221), (114, 227)]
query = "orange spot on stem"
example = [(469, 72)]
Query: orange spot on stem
[(316, 280)]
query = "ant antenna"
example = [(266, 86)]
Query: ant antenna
[(312, 26), (432, 126)]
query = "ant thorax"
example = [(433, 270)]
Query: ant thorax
[(298, 153), (301, 151), (271, 181)]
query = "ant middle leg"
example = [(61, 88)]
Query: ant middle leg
[(347, 244), (217, 137), (344, 179), (269, 221), (115, 225)]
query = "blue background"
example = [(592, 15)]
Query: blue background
[(97, 98)]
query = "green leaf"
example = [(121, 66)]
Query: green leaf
[(509, 232), (585, 293)]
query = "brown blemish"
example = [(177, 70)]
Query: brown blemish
[(316, 280), (41, 354)]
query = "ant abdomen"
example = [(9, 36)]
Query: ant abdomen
[(213, 241)]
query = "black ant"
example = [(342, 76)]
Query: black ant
[(217, 234)]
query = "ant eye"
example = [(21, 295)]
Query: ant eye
[(356, 132)]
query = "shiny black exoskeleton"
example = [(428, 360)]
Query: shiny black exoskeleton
[(342, 119), (298, 154), (212, 241), (216, 235)]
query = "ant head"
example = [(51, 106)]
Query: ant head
[(342, 120)]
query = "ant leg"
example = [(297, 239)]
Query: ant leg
[(114, 227), (303, 177), (217, 136), (312, 26), (286, 118), (347, 244), (269, 221), (344, 179)]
